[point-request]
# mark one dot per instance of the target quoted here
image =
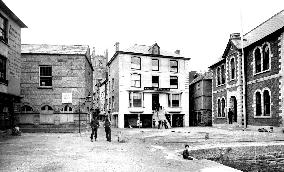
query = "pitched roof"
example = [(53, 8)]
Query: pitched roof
[(266, 28), (54, 49), (205, 76), (144, 49), (10, 13)]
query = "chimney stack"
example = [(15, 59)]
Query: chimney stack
[(117, 46), (234, 36), (177, 52)]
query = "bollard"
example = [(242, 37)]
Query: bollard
[(206, 136)]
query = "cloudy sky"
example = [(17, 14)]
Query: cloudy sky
[(199, 28)]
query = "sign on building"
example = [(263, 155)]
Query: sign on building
[(67, 98)]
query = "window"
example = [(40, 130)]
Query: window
[(155, 81), (266, 102), (112, 103), (155, 64), (218, 76), (45, 74), (265, 57), (257, 58), (175, 100), (46, 108), (26, 109), (66, 109), (135, 99), (2, 68), (173, 82), (223, 75), (3, 29), (112, 85), (223, 108), (173, 66), (136, 80), (219, 108), (135, 62), (258, 103), (233, 68)]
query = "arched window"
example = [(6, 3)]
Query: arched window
[(219, 108), (266, 103), (223, 108), (257, 59), (232, 68), (258, 103), (266, 60), (218, 76), (46, 108), (26, 109), (223, 74)]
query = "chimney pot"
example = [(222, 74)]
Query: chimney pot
[(117, 46), (177, 52)]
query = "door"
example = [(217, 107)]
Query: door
[(155, 101)]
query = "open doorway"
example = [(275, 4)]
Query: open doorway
[(155, 101), (234, 104)]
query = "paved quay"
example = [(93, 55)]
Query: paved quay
[(142, 149)]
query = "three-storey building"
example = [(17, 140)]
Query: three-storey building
[(142, 78)]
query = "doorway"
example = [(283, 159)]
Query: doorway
[(155, 101), (234, 105)]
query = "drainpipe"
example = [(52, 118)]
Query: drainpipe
[(243, 75)]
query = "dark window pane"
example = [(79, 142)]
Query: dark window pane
[(265, 57), (155, 81), (266, 100), (258, 103), (257, 57), (174, 82), (173, 66)]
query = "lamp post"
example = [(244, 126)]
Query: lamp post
[(86, 100)]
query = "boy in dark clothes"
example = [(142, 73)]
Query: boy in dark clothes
[(185, 153), (94, 125)]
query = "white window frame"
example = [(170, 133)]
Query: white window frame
[(130, 104), (170, 98), (262, 103), (39, 76), (134, 85), (132, 67), (155, 66)]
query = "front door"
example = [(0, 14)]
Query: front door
[(155, 101)]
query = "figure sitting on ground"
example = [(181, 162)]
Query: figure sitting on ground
[(185, 153)]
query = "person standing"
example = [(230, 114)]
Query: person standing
[(108, 129), (154, 123), (94, 125), (230, 115)]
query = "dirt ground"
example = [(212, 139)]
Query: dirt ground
[(142, 149)]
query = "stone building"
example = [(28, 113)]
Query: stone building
[(200, 100), (253, 89), (99, 75), (10, 65), (55, 82), (143, 77)]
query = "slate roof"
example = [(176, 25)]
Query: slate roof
[(144, 49), (205, 76), (54, 49)]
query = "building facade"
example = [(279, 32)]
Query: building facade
[(253, 90), (200, 100), (142, 78), (99, 75), (10, 66), (55, 82)]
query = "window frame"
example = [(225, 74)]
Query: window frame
[(263, 56), (132, 57), (174, 67), (219, 113), (232, 70), (158, 65), (155, 82), (135, 80), (176, 81), (45, 86), (131, 99), (25, 111), (223, 74), (262, 103), (3, 71), (4, 30)]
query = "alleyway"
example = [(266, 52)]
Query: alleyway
[(143, 150)]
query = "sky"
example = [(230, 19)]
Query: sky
[(200, 29)]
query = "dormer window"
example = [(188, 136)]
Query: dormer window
[(155, 49)]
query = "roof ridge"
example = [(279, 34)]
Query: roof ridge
[(264, 22), (59, 44)]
